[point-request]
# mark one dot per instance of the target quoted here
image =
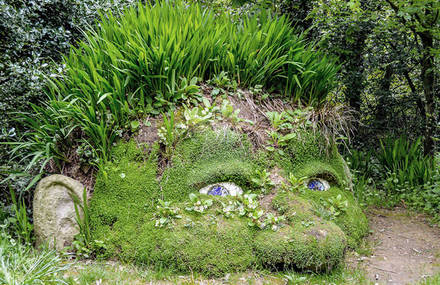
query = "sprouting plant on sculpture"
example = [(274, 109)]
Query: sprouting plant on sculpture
[(263, 181), (198, 205), (166, 214)]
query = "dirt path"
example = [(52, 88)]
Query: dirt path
[(405, 248)]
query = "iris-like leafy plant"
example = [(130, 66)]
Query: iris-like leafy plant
[(130, 62), (23, 226), (406, 160)]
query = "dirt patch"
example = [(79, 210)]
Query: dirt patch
[(406, 249), (148, 130)]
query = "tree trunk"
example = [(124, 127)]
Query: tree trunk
[(384, 94), (427, 77)]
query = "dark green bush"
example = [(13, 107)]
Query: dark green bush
[(34, 33)]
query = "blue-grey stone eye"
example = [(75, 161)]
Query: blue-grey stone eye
[(318, 185), (218, 190), (222, 189)]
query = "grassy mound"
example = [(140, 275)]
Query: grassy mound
[(135, 226), (317, 248)]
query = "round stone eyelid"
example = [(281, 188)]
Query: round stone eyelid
[(318, 184), (222, 189)]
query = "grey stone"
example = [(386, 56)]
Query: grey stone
[(54, 211)]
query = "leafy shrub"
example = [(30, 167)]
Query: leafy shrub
[(34, 33), (406, 161)]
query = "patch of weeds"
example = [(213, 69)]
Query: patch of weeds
[(339, 276), (262, 180), (111, 273), (166, 214), (278, 141), (222, 84), (432, 280), (337, 205), (24, 228), (296, 184)]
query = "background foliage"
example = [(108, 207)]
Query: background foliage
[(33, 34)]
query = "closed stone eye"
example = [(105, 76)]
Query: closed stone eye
[(318, 184)]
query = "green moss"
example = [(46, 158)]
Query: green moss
[(352, 221), (208, 158), (294, 208), (306, 156), (316, 248), (207, 244), (127, 191), (123, 189)]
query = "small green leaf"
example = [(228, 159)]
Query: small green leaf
[(193, 197), (134, 125)]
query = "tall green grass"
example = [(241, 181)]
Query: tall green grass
[(21, 264), (127, 64), (405, 159)]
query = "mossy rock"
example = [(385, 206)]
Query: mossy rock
[(123, 208)]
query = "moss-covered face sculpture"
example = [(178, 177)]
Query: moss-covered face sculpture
[(305, 221)]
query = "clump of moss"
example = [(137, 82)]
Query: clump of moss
[(294, 208), (307, 156), (208, 157), (351, 219), (123, 189), (318, 248)]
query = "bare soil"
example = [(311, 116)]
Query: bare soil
[(405, 248)]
